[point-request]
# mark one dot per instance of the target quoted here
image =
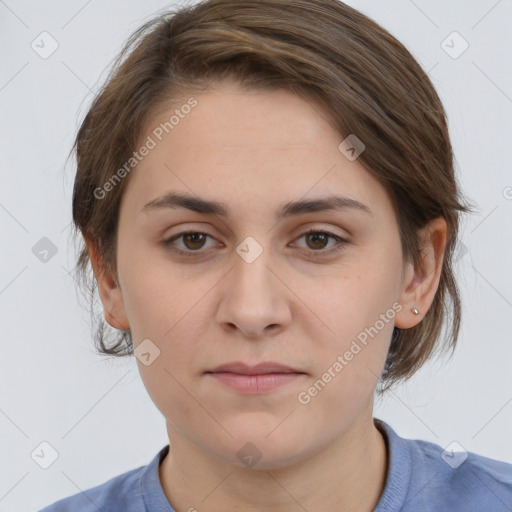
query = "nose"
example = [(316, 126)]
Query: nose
[(254, 299)]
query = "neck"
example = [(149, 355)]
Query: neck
[(346, 476)]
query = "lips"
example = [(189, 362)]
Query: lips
[(256, 379), (241, 368)]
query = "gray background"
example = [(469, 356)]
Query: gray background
[(95, 412)]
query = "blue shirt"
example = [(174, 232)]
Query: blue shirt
[(420, 478)]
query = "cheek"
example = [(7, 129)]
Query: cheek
[(360, 313), (352, 302), (165, 387), (334, 400), (159, 299), (347, 373)]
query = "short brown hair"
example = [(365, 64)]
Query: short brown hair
[(322, 50)]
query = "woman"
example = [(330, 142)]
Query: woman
[(267, 198)]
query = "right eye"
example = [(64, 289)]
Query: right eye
[(193, 240)]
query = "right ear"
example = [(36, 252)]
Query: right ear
[(110, 292)]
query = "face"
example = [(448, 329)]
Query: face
[(251, 286)]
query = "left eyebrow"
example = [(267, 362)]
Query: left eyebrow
[(293, 208)]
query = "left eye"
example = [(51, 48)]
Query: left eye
[(321, 237), (195, 240)]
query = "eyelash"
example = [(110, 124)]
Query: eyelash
[(311, 253)]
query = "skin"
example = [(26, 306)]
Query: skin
[(255, 150)]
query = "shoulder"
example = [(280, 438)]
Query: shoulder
[(430, 477), (111, 495), (115, 494), (467, 480), (120, 493)]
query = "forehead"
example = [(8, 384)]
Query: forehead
[(244, 146), (227, 110)]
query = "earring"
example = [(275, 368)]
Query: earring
[(415, 311)]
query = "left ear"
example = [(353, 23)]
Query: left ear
[(420, 284)]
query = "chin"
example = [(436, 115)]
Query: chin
[(256, 449)]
